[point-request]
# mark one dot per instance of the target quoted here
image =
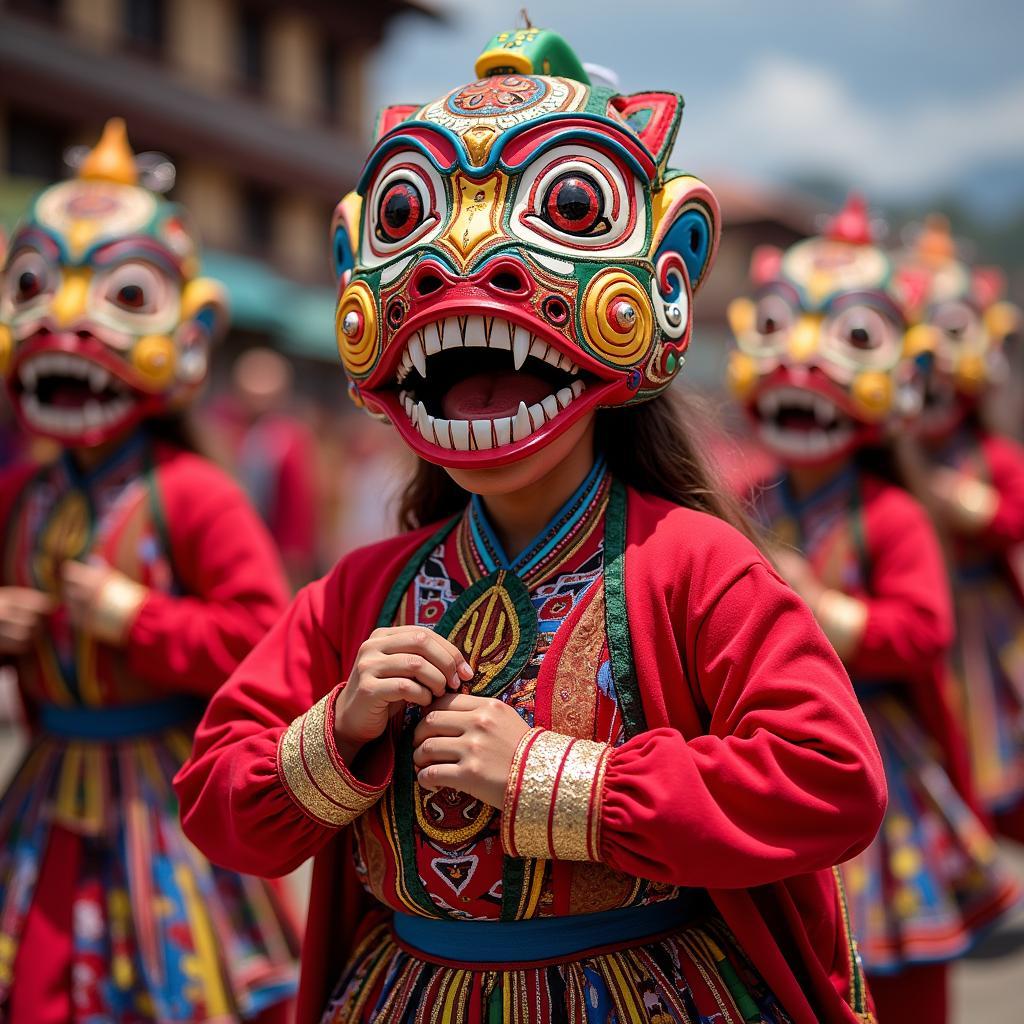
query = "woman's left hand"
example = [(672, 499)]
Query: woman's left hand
[(101, 600), (467, 743)]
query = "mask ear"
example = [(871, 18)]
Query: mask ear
[(654, 116), (687, 224), (345, 237), (390, 116), (205, 303), (204, 319)]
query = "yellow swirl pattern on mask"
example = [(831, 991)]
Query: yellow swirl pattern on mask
[(358, 349), (605, 292)]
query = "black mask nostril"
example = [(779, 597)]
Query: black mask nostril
[(427, 284), (84, 335), (506, 281)]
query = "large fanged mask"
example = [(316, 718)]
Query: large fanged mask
[(825, 363), (517, 254), (103, 321)]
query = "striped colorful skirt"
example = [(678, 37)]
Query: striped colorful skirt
[(695, 974), (932, 880), (159, 933), (989, 670)]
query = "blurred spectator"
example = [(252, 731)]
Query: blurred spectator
[(273, 454)]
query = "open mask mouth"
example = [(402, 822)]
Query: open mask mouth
[(802, 425), (70, 396), (479, 383)]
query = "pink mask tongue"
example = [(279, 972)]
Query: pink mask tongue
[(489, 396)]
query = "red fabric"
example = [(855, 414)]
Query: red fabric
[(226, 563), (915, 994), (758, 768), (910, 624), (1005, 461), (41, 993)]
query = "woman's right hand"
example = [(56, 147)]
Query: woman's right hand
[(23, 614), (394, 667)]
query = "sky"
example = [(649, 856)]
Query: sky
[(904, 99)]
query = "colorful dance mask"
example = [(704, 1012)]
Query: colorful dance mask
[(517, 254), (969, 323), (825, 361), (103, 320)]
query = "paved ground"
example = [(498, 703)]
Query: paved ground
[(988, 986)]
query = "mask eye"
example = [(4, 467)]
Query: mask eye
[(864, 336), (574, 204), (405, 206), (135, 288), (773, 319), (956, 320), (578, 197), (28, 278), (400, 213)]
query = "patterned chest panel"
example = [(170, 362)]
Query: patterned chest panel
[(440, 854), (823, 529), (64, 515)]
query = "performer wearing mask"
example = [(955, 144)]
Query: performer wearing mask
[(825, 368), (569, 749), (135, 578), (974, 486)]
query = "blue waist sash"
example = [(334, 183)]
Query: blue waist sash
[(543, 938), (77, 722)]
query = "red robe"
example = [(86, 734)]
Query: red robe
[(756, 774), (95, 813)]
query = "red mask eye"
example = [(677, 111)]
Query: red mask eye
[(131, 296), (400, 213), (574, 204), (29, 285)]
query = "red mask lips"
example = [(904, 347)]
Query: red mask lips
[(69, 392), (802, 425), (480, 391)]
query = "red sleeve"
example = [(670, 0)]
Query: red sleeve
[(788, 778), (1005, 461), (910, 615), (233, 582), (265, 788)]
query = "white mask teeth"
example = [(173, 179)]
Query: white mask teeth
[(826, 430), (474, 331), (108, 399)]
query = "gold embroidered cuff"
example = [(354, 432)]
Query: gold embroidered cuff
[(843, 620), (313, 773), (553, 798), (117, 604)]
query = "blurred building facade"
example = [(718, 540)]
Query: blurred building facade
[(261, 106)]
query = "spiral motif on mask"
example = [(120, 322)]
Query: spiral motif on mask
[(617, 318), (356, 327)]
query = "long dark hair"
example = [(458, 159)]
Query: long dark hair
[(653, 447)]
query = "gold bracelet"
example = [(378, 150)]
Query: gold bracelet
[(117, 604)]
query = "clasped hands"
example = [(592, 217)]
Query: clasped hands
[(462, 742)]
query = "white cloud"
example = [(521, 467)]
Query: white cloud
[(785, 116)]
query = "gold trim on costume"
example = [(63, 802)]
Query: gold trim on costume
[(553, 799), (315, 776)]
